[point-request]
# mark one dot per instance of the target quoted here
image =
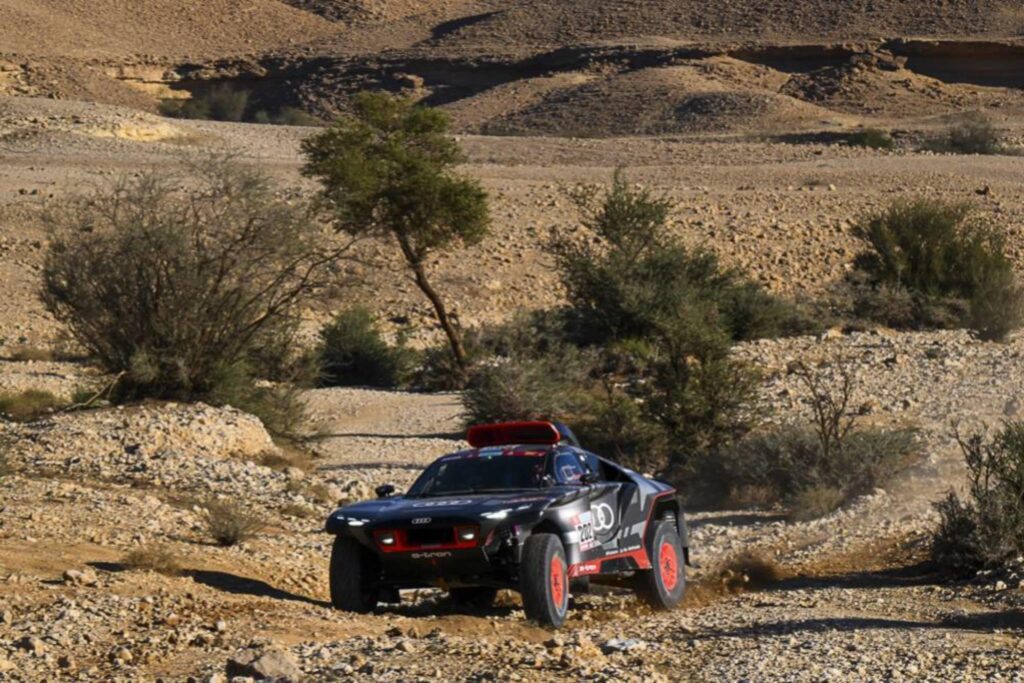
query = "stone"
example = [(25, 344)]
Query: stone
[(32, 644), (269, 665)]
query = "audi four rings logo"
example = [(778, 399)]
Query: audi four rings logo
[(421, 520), (604, 516)]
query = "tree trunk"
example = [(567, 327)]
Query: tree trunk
[(458, 352)]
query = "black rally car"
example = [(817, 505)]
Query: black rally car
[(525, 508)]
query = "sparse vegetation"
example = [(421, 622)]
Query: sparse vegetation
[(388, 169), (872, 138), (518, 387), (353, 352), (986, 528), (973, 133), (932, 264), (228, 523), (6, 467), (28, 405), (814, 469), (154, 558), (178, 290)]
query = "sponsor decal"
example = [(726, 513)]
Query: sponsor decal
[(435, 554), (604, 517), (421, 520), (584, 523)]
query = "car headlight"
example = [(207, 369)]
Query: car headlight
[(386, 538), (466, 533), (495, 515)]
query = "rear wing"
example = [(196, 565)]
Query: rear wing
[(509, 433)]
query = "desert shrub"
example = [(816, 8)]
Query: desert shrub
[(154, 558), (615, 424), (28, 405), (353, 352), (280, 406), (521, 387), (228, 523), (636, 278), (872, 138), (987, 527), (176, 290), (973, 134), (817, 467), (934, 264), (222, 102)]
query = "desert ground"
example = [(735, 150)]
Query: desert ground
[(736, 111)]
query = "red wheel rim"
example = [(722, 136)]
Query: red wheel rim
[(668, 562), (558, 581)]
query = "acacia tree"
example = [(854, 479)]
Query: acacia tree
[(387, 170)]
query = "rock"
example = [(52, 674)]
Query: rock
[(269, 665), (83, 577), (6, 665), (294, 474), (623, 645), (32, 644)]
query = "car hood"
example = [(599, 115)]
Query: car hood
[(400, 509)]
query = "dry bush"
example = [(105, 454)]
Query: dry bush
[(181, 289), (6, 468), (229, 523), (28, 405), (154, 558), (872, 138), (814, 469), (987, 528)]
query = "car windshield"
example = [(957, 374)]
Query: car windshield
[(480, 475)]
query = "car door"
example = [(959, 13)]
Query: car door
[(599, 526)]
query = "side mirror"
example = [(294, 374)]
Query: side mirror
[(589, 478), (384, 490)]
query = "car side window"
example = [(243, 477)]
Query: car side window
[(568, 469), (593, 463)]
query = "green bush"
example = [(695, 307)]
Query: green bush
[(353, 353), (872, 138), (28, 405), (636, 279), (175, 290), (987, 528), (935, 264)]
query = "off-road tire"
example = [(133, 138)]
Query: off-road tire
[(544, 580), (354, 582), (477, 597), (663, 585)]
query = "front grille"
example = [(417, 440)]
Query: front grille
[(428, 536)]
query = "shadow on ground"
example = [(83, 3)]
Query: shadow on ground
[(228, 583)]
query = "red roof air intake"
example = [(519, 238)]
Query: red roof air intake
[(507, 433)]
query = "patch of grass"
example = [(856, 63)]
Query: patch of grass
[(872, 138), (155, 558), (228, 523), (816, 501), (28, 405)]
